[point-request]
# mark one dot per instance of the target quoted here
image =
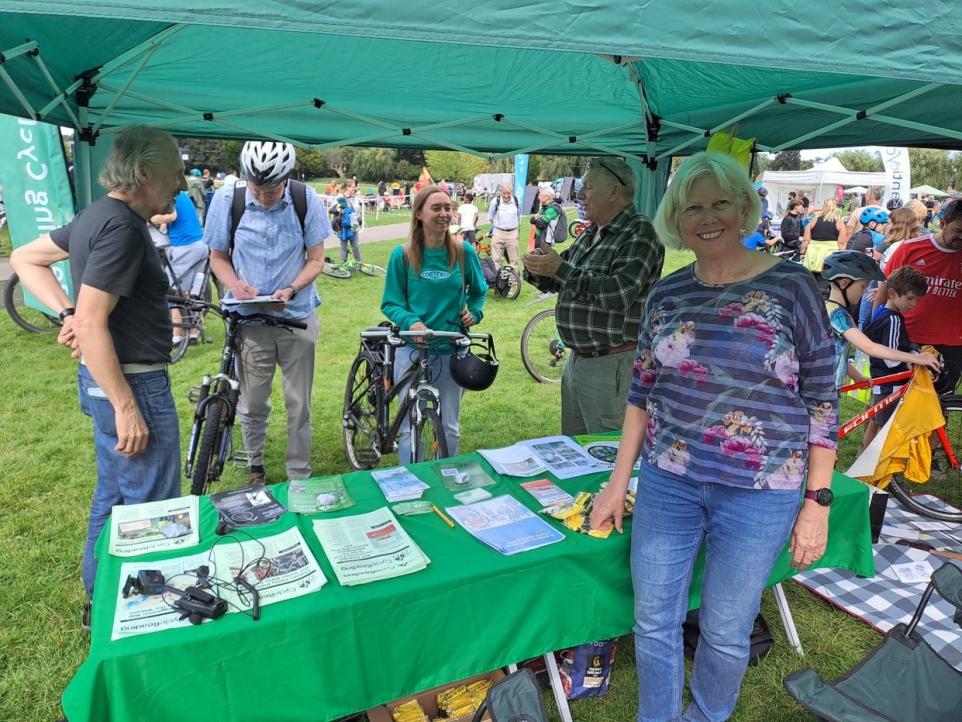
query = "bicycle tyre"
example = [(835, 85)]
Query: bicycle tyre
[(370, 269), (335, 271), (179, 347), (542, 350), (926, 499), (207, 465), (428, 443), (508, 283), (359, 418), (26, 318)]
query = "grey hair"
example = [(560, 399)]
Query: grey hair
[(136, 151), (615, 166), (731, 179)]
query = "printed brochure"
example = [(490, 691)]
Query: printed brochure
[(505, 524), (154, 526)]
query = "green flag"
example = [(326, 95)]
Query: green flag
[(36, 189)]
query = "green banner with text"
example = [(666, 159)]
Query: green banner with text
[(35, 186)]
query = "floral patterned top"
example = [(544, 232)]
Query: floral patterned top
[(737, 380)]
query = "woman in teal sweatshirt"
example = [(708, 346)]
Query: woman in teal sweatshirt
[(433, 282)]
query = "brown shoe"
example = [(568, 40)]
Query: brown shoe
[(256, 477)]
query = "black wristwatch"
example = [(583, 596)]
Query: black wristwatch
[(823, 497), (69, 311), (293, 290)]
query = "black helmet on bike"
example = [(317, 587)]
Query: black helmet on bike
[(855, 265), (475, 371)]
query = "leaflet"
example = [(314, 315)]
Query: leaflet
[(248, 506), (154, 526), (399, 484), (505, 524), (605, 450), (517, 460), (280, 567), (546, 492), (140, 614), (369, 547), (247, 301), (563, 457)]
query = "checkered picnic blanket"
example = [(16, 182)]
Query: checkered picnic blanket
[(883, 600)]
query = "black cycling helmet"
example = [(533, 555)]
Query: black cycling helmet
[(762, 191), (894, 202), (852, 264), (475, 371)]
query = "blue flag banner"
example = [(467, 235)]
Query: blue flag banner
[(520, 175)]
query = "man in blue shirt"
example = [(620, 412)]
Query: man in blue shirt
[(272, 255)]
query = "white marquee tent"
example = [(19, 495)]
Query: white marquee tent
[(817, 183)]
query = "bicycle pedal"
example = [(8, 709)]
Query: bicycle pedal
[(240, 459), (193, 394)]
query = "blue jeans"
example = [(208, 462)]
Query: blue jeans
[(152, 475), (745, 531), (449, 392)]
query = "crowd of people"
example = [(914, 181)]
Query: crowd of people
[(721, 376)]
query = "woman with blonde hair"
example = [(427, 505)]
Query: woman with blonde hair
[(823, 236), (732, 409), (904, 224), (433, 282)]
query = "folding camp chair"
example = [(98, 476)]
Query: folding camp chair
[(901, 680)]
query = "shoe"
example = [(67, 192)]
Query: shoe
[(256, 477), (175, 340), (193, 341), (85, 618)]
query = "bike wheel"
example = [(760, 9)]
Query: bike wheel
[(359, 421), (28, 319), (944, 488), (369, 269), (335, 271), (508, 283), (179, 346), (207, 464), (542, 350), (428, 443)]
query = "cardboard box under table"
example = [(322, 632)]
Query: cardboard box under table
[(345, 649)]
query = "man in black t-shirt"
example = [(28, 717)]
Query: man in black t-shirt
[(119, 327)]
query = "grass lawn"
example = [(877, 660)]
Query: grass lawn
[(48, 474)]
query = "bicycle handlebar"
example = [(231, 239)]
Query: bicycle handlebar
[(225, 314)]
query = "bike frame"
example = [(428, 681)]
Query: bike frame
[(893, 398)]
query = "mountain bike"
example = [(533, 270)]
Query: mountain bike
[(370, 431), (346, 269), (216, 402), (543, 352), (29, 319), (945, 486)]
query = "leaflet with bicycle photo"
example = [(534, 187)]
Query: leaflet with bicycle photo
[(505, 524), (143, 613), (248, 506), (154, 526), (369, 547), (279, 567)]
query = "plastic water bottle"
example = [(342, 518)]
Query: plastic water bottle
[(198, 284)]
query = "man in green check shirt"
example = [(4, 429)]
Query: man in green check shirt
[(602, 281)]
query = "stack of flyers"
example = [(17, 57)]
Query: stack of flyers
[(505, 524), (514, 460), (546, 492), (399, 484)]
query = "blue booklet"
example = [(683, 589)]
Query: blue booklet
[(505, 524)]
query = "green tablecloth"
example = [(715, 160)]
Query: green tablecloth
[(344, 649)]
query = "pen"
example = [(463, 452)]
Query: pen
[(443, 516)]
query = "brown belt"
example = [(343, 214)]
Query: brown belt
[(630, 346)]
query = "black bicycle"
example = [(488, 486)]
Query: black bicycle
[(188, 306), (370, 431), (216, 401)]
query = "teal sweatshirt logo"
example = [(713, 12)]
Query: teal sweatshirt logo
[(435, 275)]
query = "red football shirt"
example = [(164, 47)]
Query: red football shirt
[(937, 318)]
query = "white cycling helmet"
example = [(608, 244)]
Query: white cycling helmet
[(267, 163)]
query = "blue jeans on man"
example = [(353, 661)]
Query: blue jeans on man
[(152, 475), (745, 531)]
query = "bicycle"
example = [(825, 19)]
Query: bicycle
[(543, 351), (27, 318), (928, 500), (216, 401), (369, 429), (191, 304), (346, 269)]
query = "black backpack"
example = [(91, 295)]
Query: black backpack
[(561, 227), (298, 198)]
